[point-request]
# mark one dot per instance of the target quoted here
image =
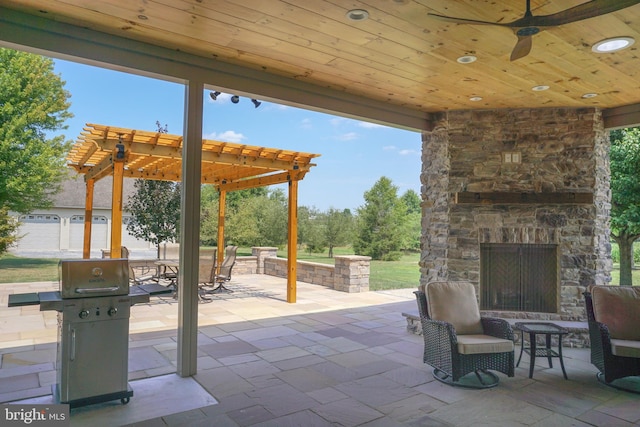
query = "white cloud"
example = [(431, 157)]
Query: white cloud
[(407, 152), (306, 124), (337, 121), (389, 148), (349, 136), (226, 136), (368, 125)]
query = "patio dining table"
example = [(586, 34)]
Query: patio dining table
[(169, 269)]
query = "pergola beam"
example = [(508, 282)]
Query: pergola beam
[(159, 151), (263, 181), (102, 169)]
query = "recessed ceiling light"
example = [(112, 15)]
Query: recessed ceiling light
[(467, 59), (540, 88), (357, 14), (475, 98), (612, 45), (589, 95), (142, 17)]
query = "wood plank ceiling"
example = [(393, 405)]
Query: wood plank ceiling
[(400, 55)]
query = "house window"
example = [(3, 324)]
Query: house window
[(40, 218)]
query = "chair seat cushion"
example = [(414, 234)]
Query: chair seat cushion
[(625, 348), (477, 344), (618, 307)]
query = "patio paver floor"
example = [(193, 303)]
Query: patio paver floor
[(332, 359)]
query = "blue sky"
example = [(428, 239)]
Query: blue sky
[(354, 154)]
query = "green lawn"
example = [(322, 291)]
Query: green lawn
[(384, 274), (615, 276), (15, 269)]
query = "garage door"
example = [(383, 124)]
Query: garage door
[(99, 232), (40, 232)]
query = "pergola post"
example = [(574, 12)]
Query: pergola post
[(292, 244), (88, 216), (116, 202), (222, 202)]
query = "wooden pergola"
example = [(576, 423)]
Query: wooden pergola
[(101, 151)]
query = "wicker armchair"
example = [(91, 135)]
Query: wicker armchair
[(613, 313), (457, 341)]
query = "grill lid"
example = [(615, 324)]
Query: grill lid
[(83, 278)]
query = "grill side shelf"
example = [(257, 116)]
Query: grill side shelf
[(20, 300)]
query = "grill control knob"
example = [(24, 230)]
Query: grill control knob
[(112, 311), (84, 314)]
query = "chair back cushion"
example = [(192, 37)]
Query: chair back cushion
[(456, 303), (618, 307)]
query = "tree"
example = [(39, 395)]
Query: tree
[(259, 220), (338, 228), (625, 196), (412, 223), (311, 229), (33, 104), (379, 232), (155, 209)]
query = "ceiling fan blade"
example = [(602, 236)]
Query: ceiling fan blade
[(582, 11), (522, 48), (464, 21)]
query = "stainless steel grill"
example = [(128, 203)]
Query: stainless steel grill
[(93, 306)]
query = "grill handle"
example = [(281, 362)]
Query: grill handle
[(97, 290), (73, 345)]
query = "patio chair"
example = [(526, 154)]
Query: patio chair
[(222, 275), (457, 341), (142, 272), (613, 313)]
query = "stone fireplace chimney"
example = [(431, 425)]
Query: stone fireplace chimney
[(518, 177)]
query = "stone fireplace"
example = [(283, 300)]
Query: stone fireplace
[(521, 178)]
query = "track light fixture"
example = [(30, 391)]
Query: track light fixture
[(235, 98)]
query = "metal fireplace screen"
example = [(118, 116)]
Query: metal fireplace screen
[(519, 277)]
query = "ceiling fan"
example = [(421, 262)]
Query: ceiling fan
[(527, 26)]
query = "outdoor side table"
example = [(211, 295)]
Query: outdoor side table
[(548, 330)]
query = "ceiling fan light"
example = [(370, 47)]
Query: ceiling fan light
[(357, 15), (539, 88), (467, 59), (613, 44)]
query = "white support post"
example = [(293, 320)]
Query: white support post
[(190, 231)]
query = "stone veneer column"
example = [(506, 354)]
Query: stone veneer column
[(351, 273), (562, 150), (261, 253), (436, 204)]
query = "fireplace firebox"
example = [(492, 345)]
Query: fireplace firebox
[(519, 277)]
